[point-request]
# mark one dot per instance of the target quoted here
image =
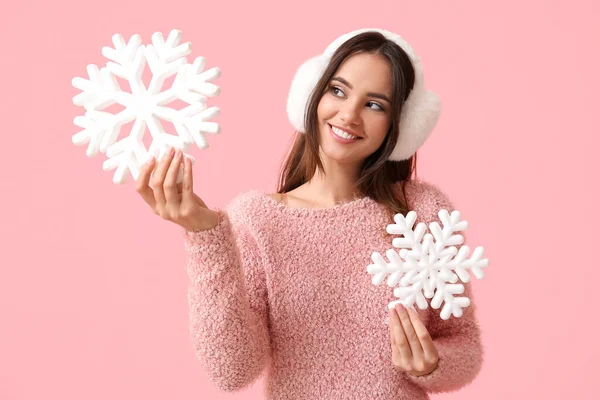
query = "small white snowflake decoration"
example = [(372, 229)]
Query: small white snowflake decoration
[(430, 269), (145, 105)]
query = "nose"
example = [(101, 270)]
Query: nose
[(350, 112)]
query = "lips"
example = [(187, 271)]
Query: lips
[(340, 139), (349, 132)]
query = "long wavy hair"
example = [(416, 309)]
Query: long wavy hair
[(379, 178)]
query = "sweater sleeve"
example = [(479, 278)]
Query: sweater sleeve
[(227, 304), (458, 340)]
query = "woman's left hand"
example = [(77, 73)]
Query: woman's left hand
[(413, 349)]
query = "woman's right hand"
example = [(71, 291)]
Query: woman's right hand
[(174, 202)]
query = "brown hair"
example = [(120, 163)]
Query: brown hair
[(378, 175)]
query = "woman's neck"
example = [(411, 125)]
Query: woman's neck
[(337, 185)]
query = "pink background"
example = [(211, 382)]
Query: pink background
[(93, 285)]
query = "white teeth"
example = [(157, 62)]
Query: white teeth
[(341, 133)]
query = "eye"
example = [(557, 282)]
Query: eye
[(335, 89), (378, 105)]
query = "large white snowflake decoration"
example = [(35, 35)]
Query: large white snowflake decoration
[(430, 269), (145, 105)]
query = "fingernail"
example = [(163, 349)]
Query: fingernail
[(171, 151), (399, 307), (150, 160)]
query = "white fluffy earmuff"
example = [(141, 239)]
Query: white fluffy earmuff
[(420, 112)]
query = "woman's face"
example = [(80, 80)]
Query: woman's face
[(357, 101)]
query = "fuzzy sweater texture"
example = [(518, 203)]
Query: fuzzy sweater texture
[(283, 293)]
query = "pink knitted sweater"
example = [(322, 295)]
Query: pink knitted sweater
[(285, 292)]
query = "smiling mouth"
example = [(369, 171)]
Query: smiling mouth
[(341, 134)]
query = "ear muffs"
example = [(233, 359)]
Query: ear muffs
[(420, 111)]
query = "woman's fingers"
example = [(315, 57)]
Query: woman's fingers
[(418, 354), (158, 178), (430, 352), (142, 181), (176, 202), (187, 185), (400, 339), (170, 185), (409, 331)]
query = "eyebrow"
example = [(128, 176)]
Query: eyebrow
[(371, 94)]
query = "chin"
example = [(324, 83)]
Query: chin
[(334, 153)]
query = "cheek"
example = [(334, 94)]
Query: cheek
[(325, 109), (379, 127)]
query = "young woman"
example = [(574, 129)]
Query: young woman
[(278, 282)]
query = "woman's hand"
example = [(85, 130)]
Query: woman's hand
[(413, 349), (174, 202)]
